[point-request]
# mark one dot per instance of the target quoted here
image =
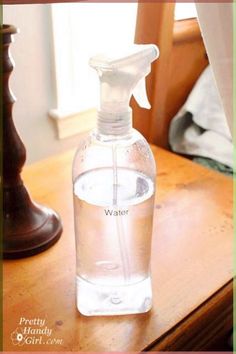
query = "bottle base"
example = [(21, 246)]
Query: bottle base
[(100, 300)]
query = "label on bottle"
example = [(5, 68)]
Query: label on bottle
[(112, 212)]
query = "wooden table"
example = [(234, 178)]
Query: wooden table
[(191, 267)]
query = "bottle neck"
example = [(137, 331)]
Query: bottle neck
[(114, 123)]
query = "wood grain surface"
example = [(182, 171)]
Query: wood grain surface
[(191, 264)]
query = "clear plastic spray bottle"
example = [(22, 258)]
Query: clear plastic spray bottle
[(114, 185)]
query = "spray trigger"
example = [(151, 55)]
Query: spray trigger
[(140, 94)]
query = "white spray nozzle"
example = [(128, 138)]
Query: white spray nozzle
[(140, 94), (122, 75)]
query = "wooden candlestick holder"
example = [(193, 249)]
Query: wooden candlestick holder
[(28, 227)]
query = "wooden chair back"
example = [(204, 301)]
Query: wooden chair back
[(182, 59)]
